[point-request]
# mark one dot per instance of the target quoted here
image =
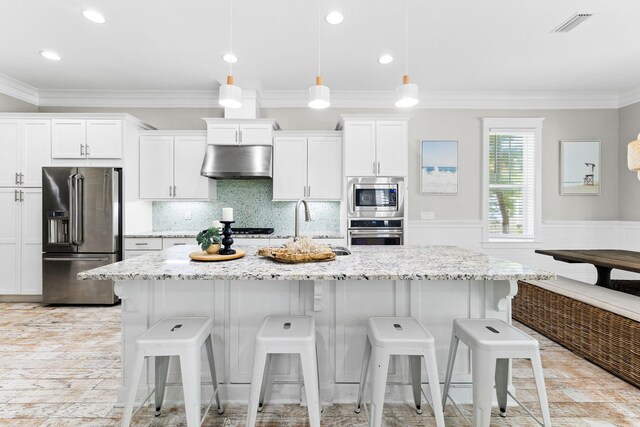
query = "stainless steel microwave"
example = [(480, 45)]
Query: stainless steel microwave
[(371, 197)]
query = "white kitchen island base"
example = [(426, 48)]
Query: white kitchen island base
[(340, 308)]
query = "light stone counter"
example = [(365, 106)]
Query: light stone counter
[(187, 234), (365, 263)]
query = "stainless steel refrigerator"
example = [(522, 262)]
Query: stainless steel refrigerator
[(82, 229)]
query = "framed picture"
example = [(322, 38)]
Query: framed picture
[(580, 167), (439, 167)]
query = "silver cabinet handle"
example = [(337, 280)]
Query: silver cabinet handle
[(304, 191), (17, 178), (240, 137), (309, 191), (179, 244), (374, 168), (170, 189), (21, 196), (16, 197), (21, 178), (237, 136), (174, 191), (82, 150), (141, 244), (378, 168), (86, 149)]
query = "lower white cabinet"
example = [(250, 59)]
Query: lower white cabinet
[(307, 166), (21, 241)]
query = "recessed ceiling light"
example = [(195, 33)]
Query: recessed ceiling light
[(50, 55), (385, 59), (334, 17), (94, 16), (230, 58)]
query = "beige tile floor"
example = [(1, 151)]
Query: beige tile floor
[(59, 366)]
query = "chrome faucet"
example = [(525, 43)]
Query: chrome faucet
[(307, 216)]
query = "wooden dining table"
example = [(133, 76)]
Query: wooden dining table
[(604, 261)]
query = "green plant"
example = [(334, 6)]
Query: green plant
[(208, 237)]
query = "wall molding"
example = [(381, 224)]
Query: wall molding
[(298, 98)]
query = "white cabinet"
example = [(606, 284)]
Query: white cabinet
[(21, 241), (138, 246), (247, 132), (307, 167), (170, 167), (86, 139), (375, 147), (26, 148)]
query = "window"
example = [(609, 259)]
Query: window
[(511, 164)]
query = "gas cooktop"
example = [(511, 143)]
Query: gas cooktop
[(250, 230)]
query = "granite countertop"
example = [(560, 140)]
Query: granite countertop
[(186, 234), (365, 263)]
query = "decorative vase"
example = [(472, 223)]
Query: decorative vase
[(213, 249)]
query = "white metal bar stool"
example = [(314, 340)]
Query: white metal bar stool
[(389, 336), (285, 335), (493, 342), (182, 337)]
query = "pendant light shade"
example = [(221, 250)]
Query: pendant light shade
[(319, 95), (230, 96), (633, 156), (407, 93)]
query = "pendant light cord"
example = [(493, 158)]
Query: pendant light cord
[(406, 39), (318, 17), (231, 35)]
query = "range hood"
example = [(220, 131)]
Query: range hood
[(237, 162)]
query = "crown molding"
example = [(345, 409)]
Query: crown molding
[(19, 90), (298, 98)]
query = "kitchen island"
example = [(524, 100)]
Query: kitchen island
[(434, 284)]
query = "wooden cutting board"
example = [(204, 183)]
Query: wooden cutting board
[(203, 256)]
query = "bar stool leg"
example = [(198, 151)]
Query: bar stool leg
[(259, 361), (133, 390), (161, 370), (483, 369), (380, 368), (265, 383), (542, 392), (310, 375), (212, 369), (431, 365), (190, 369), (363, 372), (415, 369), (453, 350), (502, 379)]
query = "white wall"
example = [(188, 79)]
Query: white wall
[(9, 104), (629, 185)]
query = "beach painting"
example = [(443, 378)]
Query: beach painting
[(439, 167), (581, 167)]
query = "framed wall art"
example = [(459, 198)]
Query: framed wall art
[(439, 167), (580, 167)]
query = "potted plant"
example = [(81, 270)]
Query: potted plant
[(209, 240)]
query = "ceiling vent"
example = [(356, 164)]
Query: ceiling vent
[(572, 22)]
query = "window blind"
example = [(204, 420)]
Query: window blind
[(511, 183)]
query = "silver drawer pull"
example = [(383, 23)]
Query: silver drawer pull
[(179, 244), (141, 244)]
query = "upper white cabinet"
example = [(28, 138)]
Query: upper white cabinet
[(26, 148), (239, 132), (307, 166), (86, 139), (375, 147), (170, 167)]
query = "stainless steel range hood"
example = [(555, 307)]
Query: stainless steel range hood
[(237, 162)]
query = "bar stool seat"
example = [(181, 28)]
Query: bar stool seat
[(182, 337), (391, 336), (285, 335), (493, 343)]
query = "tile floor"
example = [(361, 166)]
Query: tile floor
[(59, 366)]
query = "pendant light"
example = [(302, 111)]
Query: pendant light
[(319, 94), (407, 93), (230, 95)]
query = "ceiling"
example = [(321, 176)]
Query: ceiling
[(455, 45)]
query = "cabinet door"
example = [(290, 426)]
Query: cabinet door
[(10, 241), (36, 150), (359, 148), (289, 168), (223, 134), (391, 148), (9, 144), (256, 134), (104, 139), (156, 167), (188, 155), (324, 168), (68, 138), (31, 242)]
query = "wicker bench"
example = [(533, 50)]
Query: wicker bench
[(599, 324)]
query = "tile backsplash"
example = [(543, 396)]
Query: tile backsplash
[(252, 207)]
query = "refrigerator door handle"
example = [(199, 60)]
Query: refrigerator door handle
[(77, 209), (68, 259)]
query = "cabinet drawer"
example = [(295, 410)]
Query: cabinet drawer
[(168, 242), (143, 243), (133, 254)]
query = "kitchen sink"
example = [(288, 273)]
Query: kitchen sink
[(340, 251)]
